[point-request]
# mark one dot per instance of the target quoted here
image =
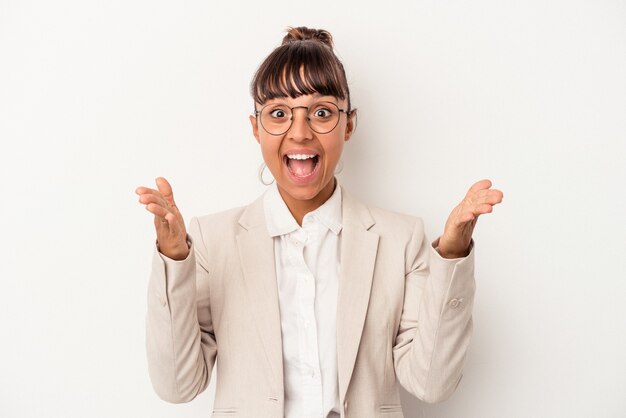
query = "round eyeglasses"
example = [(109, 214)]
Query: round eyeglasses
[(277, 118)]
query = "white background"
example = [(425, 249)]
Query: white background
[(99, 97)]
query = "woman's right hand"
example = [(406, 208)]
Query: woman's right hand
[(169, 223)]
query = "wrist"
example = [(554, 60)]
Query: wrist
[(451, 255), (447, 251), (176, 253)]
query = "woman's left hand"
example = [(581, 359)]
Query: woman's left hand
[(457, 235)]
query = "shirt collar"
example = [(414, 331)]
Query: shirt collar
[(280, 221)]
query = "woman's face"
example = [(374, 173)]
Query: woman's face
[(299, 177)]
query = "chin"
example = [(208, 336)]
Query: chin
[(303, 193)]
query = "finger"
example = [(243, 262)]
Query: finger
[(160, 223), (153, 198), (146, 190), (494, 197), (159, 210), (479, 185), (490, 196), (482, 209), (168, 221), (167, 224), (166, 190), (474, 212), (141, 190), (172, 220), (466, 217)]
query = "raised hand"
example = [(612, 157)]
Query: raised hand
[(169, 223), (460, 225)]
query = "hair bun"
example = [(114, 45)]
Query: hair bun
[(303, 33)]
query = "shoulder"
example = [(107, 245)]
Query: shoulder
[(381, 220), (209, 226), (223, 219), (390, 218), (396, 224), (233, 218), (215, 233)]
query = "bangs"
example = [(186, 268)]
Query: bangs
[(299, 68)]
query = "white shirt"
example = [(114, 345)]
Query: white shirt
[(307, 271)]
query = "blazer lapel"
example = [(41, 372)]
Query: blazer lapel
[(359, 247), (358, 255), (256, 252)]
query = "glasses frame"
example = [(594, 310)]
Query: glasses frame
[(257, 114)]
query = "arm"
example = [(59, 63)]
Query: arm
[(436, 322), (180, 341)]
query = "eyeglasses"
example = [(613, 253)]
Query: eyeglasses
[(322, 117)]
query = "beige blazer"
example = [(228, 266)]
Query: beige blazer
[(403, 315)]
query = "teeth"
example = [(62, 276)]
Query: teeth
[(300, 156)]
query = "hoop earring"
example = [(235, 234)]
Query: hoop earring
[(261, 170), (339, 168)]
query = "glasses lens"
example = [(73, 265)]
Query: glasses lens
[(323, 117), (276, 118)]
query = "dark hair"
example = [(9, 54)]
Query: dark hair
[(304, 64)]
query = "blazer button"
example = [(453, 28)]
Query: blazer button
[(455, 303), (345, 406)]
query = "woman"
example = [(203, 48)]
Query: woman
[(314, 304)]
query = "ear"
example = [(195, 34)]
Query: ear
[(351, 125), (255, 128)]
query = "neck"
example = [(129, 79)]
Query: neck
[(299, 208)]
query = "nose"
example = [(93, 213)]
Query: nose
[(300, 129)]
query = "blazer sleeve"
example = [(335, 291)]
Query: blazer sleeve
[(180, 340), (436, 323)]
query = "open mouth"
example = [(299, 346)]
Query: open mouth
[(302, 165)]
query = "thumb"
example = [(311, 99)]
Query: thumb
[(165, 189)]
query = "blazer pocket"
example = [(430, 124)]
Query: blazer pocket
[(386, 409), (224, 412)]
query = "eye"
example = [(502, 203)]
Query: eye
[(322, 113), (278, 112)]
